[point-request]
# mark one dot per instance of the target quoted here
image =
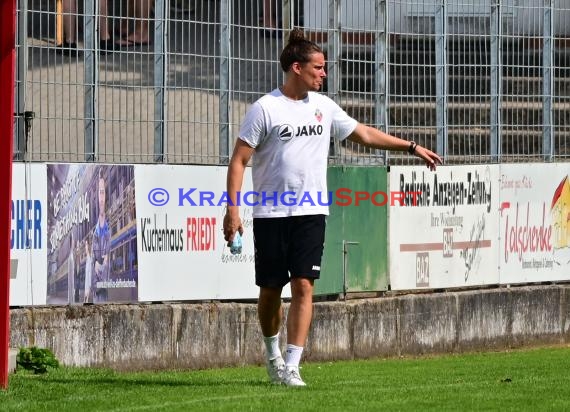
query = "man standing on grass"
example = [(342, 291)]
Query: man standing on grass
[(288, 132)]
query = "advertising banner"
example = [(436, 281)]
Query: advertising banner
[(28, 241), (182, 252), (446, 233), (535, 222), (91, 230)]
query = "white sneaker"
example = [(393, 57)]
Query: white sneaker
[(291, 377), (275, 370)]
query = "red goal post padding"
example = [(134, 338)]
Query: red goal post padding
[(7, 59)]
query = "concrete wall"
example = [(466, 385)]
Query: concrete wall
[(161, 336)]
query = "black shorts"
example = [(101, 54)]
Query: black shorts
[(288, 247)]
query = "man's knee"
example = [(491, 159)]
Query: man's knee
[(302, 286)]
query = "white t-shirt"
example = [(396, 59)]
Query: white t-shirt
[(291, 140)]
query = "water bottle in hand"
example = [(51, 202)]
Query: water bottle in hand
[(235, 246)]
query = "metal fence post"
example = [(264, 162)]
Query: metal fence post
[(333, 60), (547, 82), (288, 16), (496, 80), (225, 86), (381, 72), (333, 49), (160, 62), (441, 77), (20, 138), (90, 73)]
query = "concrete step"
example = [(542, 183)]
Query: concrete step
[(466, 145), (481, 70), (523, 114), (474, 133), (458, 85), (475, 140), (412, 69), (473, 51), (417, 60)]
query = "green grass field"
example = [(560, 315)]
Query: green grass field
[(528, 380)]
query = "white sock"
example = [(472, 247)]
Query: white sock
[(272, 350), (293, 355)]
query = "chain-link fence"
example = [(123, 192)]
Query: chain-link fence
[(144, 81)]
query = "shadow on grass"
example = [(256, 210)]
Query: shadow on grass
[(158, 382)]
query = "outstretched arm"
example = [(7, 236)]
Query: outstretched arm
[(371, 137)]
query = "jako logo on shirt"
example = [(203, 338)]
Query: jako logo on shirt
[(287, 132)]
